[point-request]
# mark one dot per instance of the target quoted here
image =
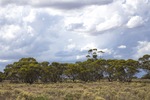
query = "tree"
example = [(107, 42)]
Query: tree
[(123, 70), (145, 64), (120, 73), (48, 74), (45, 72), (110, 69), (131, 69), (93, 54), (10, 73), (146, 76), (57, 71), (85, 71), (29, 70), (2, 77), (98, 67), (26, 70), (72, 71)]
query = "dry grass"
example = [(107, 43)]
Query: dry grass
[(76, 91)]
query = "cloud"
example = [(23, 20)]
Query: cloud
[(142, 48), (117, 16), (76, 27), (63, 4), (113, 22), (9, 32), (118, 56), (65, 30), (80, 57), (70, 56), (88, 46), (135, 21), (22, 32), (70, 46), (30, 17), (106, 50), (122, 47), (3, 60)]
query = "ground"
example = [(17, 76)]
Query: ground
[(103, 90)]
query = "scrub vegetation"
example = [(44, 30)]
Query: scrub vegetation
[(103, 90)]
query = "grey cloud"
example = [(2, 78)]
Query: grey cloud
[(69, 56), (70, 53), (28, 43), (3, 64), (130, 38), (20, 2), (76, 4), (48, 38), (46, 24), (71, 59), (74, 27), (64, 54), (73, 4), (11, 55)]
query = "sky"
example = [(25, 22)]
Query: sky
[(64, 30)]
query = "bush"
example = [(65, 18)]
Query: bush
[(147, 76)]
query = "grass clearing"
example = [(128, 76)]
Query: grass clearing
[(76, 91)]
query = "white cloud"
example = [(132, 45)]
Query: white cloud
[(70, 46), (11, 11), (135, 21), (9, 32), (36, 28), (80, 57), (88, 20), (113, 22), (106, 51), (1, 60), (118, 56), (89, 46), (70, 40), (30, 17), (122, 47), (142, 49)]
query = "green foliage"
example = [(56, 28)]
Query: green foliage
[(2, 76), (28, 70), (146, 76), (145, 62), (25, 70), (72, 71)]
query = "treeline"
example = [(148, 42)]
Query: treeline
[(28, 70)]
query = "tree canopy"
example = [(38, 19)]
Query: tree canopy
[(29, 70)]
